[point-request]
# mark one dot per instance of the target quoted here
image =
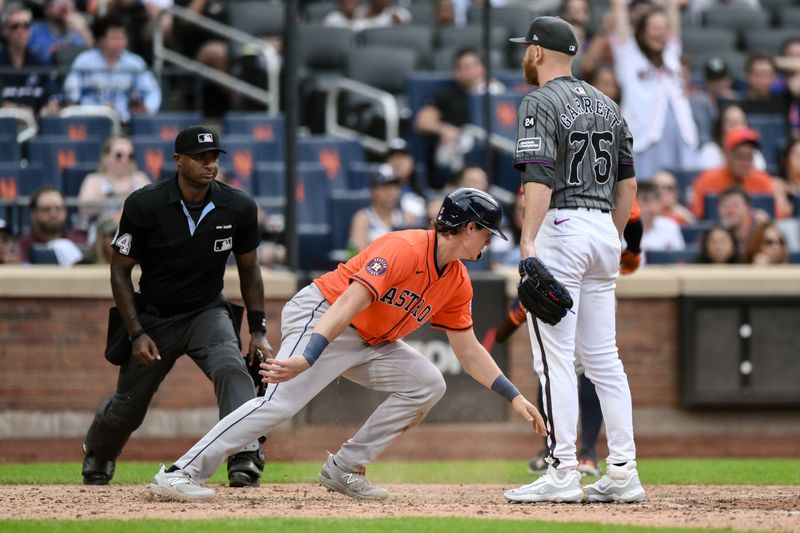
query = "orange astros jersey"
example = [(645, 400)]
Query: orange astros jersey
[(399, 269)]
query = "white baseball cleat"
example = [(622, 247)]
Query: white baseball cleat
[(620, 485), (556, 486), (353, 484), (177, 485)]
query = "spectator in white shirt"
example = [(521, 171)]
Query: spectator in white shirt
[(660, 233), (654, 99)]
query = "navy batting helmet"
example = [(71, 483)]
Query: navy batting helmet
[(471, 205)]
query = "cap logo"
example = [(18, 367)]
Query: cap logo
[(572, 48), (535, 37), (205, 138)]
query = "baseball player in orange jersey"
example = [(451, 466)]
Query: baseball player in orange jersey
[(350, 323), (574, 151)]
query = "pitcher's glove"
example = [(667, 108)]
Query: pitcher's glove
[(541, 294), (253, 366), (629, 261)]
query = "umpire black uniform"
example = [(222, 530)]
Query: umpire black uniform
[(182, 231)]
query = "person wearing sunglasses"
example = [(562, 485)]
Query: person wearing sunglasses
[(104, 190), (766, 246), (35, 91)]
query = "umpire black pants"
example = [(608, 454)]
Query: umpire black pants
[(207, 336)]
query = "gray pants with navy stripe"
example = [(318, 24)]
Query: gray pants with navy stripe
[(415, 383)]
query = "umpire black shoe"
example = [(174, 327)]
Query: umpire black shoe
[(244, 469), (97, 471)]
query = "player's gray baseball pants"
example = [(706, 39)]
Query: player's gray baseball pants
[(415, 383), (583, 252)]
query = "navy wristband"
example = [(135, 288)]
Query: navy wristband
[(504, 387), (314, 348), (257, 321)]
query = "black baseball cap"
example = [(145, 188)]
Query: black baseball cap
[(715, 68), (552, 33), (197, 140)]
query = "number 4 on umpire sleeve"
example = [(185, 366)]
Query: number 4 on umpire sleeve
[(579, 141), (123, 243)]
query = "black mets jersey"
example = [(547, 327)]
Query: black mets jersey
[(573, 139)]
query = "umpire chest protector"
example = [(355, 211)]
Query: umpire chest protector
[(183, 251)]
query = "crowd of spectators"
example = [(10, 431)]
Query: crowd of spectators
[(692, 122)]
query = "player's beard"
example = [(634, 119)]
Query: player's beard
[(529, 69)]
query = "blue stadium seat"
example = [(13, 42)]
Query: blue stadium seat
[(335, 156), (76, 128), (794, 258), (765, 202), (314, 246), (73, 177), (9, 147), (311, 193), (359, 173), (164, 125), (773, 131), (692, 233), (343, 205), (685, 179), (504, 113), (260, 126), (242, 155), (41, 255), (154, 155), (55, 153), (16, 181), (672, 257)]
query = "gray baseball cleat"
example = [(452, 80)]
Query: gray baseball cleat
[(177, 485), (557, 486), (620, 485), (353, 484)]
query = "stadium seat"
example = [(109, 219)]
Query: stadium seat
[(685, 179), (311, 190), (765, 202), (42, 255), (672, 257), (259, 126), (768, 39), (76, 128), (736, 60), (358, 175), (314, 247), (9, 147), (342, 207), (154, 155), (73, 177), (55, 153), (242, 155), (164, 125), (471, 37), (16, 181), (317, 11), (335, 155), (323, 49), (692, 233), (773, 131), (406, 36), (504, 113), (258, 18), (736, 18), (788, 17), (707, 40), (382, 67), (443, 59)]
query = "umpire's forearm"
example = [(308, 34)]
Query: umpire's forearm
[(252, 286), (122, 289)]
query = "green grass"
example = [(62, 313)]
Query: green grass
[(381, 525), (651, 471)]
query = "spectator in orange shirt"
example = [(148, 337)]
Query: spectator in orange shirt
[(740, 146)]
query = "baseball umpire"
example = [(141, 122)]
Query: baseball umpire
[(181, 232), (350, 322), (574, 152)]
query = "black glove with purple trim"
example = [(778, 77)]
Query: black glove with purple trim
[(541, 294)]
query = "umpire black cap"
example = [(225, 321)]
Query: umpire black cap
[(197, 140), (471, 205), (552, 33)]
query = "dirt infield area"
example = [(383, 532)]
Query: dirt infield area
[(761, 508)]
